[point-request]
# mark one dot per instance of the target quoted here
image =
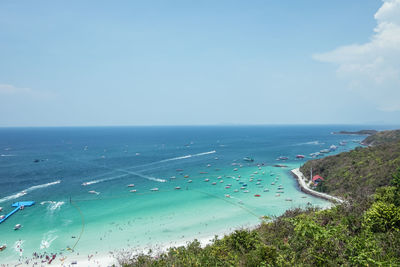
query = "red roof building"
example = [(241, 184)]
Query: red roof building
[(317, 178)]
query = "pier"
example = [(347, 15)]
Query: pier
[(18, 206)]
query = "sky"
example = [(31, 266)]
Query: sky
[(100, 63)]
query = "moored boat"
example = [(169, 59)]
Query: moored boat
[(132, 191), (3, 247), (154, 189), (17, 227), (131, 185)]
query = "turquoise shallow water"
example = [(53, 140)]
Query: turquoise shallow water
[(50, 166)]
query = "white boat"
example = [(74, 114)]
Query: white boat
[(132, 191), (221, 181), (2, 217), (266, 190), (227, 195), (3, 247), (154, 189), (1, 209), (248, 159), (190, 181), (236, 190), (85, 184), (93, 192), (17, 226), (213, 183), (246, 191), (277, 195), (206, 180), (178, 187), (131, 185), (235, 169)]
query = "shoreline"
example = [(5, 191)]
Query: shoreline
[(304, 187)]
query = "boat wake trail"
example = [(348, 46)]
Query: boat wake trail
[(53, 205), (104, 180), (189, 156), (174, 159), (48, 238), (143, 176), (26, 191), (310, 143)]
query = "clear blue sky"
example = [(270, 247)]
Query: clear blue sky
[(186, 62)]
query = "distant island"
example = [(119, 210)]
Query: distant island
[(361, 132)]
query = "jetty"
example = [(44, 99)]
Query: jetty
[(18, 206)]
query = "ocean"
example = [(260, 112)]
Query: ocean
[(104, 189)]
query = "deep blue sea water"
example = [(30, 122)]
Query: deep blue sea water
[(50, 166)]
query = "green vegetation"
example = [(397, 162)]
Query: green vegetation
[(364, 231), (357, 172)]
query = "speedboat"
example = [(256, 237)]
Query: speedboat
[(214, 183), (282, 158), (132, 191), (206, 180), (2, 217), (85, 184), (300, 156), (154, 189), (131, 185), (246, 191), (221, 181), (227, 195), (266, 190), (235, 169), (17, 226), (236, 190), (93, 192), (257, 195), (3, 247), (1, 209), (190, 181), (178, 187), (227, 187)]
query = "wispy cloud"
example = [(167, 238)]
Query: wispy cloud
[(373, 68), (11, 90)]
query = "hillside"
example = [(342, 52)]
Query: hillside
[(382, 137), (360, 171)]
